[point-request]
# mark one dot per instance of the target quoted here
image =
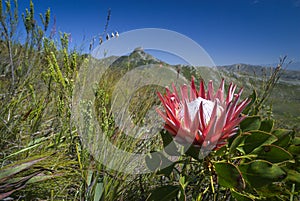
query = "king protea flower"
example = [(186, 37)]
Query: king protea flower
[(202, 118)]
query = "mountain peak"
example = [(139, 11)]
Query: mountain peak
[(138, 49), (140, 54)]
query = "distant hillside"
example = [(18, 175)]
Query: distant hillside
[(235, 71), (291, 66), (259, 72)]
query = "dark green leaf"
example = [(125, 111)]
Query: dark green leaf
[(11, 170), (273, 154), (153, 161), (231, 139), (282, 132), (193, 152), (221, 152), (293, 176), (169, 144), (164, 193), (296, 141), (284, 137), (260, 173), (166, 137), (237, 142), (257, 139), (250, 123), (167, 171), (267, 125), (229, 175), (157, 161), (294, 149)]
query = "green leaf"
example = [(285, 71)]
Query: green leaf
[(193, 152), (267, 125), (231, 139), (98, 191), (237, 142), (259, 173), (153, 161), (169, 144), (166, 171), (239, 196), (295, 151), (296, 141), (274, 154), (257, 139), (282, 132), (221, 152), (164, 193), (166, 137), (229, 175), (156, 161), (183, 185), (24, 150), (284, 137), (13, 169), (251, 123), (43, 177), (11, 185), (293, 176)]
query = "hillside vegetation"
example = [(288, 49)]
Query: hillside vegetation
[(284, 99)]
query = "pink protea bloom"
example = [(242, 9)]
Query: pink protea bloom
[(202, 118)]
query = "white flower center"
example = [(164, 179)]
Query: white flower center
[(208, 107)]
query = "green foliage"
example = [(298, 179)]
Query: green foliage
[(260, 162), (16, 176), (229, 175), (251, 123), (259, 173), (267, 125), (164, 193), (274, 154), (255, 140), (36, 109), (169, 144), (264, 157)]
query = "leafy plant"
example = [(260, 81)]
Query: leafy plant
[(16, 176)]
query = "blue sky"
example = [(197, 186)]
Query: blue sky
[(231, 31)]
